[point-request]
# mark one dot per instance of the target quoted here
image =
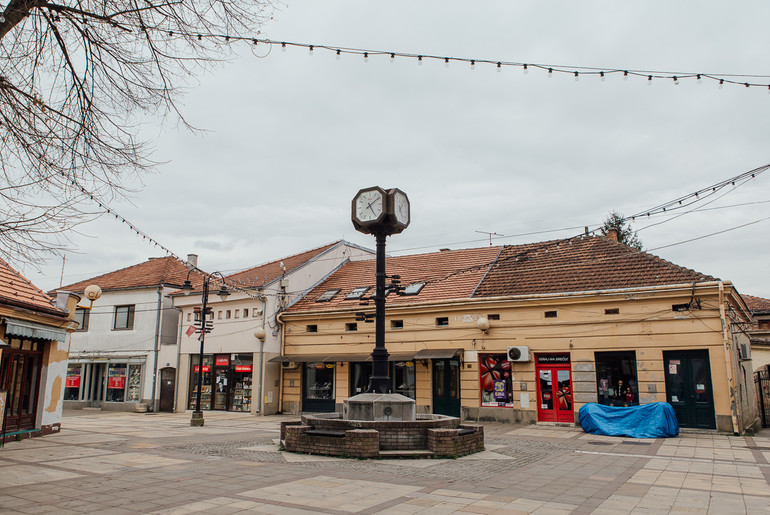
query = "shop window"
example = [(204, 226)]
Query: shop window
[(551, 314), (404, 380), (612, 311), (116, 382), (208, 361), (495, 380), (82, 317), (442, 321), (616, 380), (134, 383), (396, 324), (351, 326), (311, 328), (72, 384), (124, 317)]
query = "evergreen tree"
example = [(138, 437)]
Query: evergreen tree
[(626, 234)]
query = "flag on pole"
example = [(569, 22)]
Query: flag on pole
[(190, 331)]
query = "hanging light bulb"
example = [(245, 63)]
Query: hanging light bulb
[(550, 72), (649, 80), (700, 79), (721, 83), (310, 49), (601, 75), (339, 52), (392, 57), (473, 64), (419, 60), (625, 74), (366, 57), (526, 70), (577, 76), (283, 47), (446, 62), (499, 66), (676, 81)]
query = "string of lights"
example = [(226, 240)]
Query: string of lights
[(574, 71)]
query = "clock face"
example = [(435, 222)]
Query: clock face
[(401, 207), (369, 205)]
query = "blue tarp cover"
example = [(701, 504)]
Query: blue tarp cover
[(656, 420)]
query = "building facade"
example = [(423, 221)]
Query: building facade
[(34, 335), (530, 333), (237, 372)]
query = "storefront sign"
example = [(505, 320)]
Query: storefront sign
[(73, 382), (206, 368), (222, 361), (552, 358), (243, 368)]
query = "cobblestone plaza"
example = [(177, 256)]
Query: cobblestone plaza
[(157, 463)]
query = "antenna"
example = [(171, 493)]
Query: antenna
[(490, 235)]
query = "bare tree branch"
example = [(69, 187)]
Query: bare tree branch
[(76, 79)]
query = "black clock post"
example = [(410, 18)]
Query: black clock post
[(381, 213)]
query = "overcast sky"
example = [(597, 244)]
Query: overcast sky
[(292, 136)]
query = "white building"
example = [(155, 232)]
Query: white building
[(237, 375)]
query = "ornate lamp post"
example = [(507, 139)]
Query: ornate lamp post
[(381, 213), (204, 326)]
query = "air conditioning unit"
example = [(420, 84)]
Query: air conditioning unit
[(745, 351), (289, 364), (519, 353)]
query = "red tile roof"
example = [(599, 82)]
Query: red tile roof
[(559, 266), (579, 264), (154, 272), (448, 275), (260, 275), (757, 304), (17, 290)]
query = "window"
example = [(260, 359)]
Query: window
[(616, 381), (328, 295), (255, 312), (237, 313), (413, 289), (219, 315), (351, 326), (189, 317), (763, 324), (396, 324), (551, 314), (72, 386), (680, 307), (82, 317), (442, 321), (357, 293), (116, 382), (493, 316), (612, 311), (311, 328), (227, 314), (246, 313), (124, 317)]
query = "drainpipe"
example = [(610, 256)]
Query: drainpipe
[(728, 359), (178, 356), (261, 358), (157, 347)]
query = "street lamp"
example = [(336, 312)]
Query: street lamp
[(187, 287)]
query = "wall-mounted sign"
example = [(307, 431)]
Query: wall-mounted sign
[(206, 368), (222, 361), (243, 368), (550, 359)]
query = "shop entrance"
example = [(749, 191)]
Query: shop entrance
[(318, 387), (167, 387), (554, 388), (20, 375), (446, 387), (688, 388)]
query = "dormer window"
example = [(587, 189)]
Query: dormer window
[(357, 293), (328, 295), (414, 288)]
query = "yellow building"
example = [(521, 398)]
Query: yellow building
[(529, 333)]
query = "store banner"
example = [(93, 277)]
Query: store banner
[(117, 378), (243, 368), (206, 368), (222, 361)]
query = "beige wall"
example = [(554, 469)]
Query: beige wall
[(646, 324)]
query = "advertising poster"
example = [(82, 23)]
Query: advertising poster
[(495, 380), (117, 378)]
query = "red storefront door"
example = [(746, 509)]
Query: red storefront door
[(554, 388)]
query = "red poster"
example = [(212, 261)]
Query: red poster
[(222, 361), (116, 382), (73, 382), (243, 368), (206, 368)]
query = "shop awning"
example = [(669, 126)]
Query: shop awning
[(26, 329), (437, 353), (341, 358)]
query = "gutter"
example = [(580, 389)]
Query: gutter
[(178, 358), (728, 359)]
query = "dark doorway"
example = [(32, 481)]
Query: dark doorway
[(167, 388), (446, 387), (318, 387), (688, 388), (20, 375)]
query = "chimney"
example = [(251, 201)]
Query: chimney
[(193, 259), (612, 234)]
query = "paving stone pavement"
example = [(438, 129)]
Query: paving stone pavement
[(156, 463)]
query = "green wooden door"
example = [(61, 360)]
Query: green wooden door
[(688, 388), (446, 387)]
